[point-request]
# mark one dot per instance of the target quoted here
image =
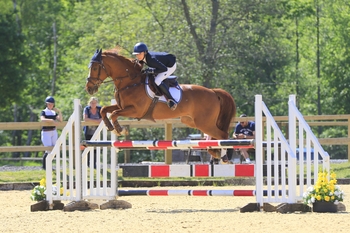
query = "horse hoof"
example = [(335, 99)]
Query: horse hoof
[(124, 132), (226, 162), (116, 132)]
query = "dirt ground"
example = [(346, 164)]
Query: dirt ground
[(167, 214)]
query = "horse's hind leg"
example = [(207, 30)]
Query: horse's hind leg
[(212, 130), (216, 134)]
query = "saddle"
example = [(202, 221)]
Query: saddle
[(171, 81)]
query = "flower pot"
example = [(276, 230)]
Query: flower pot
[(324, 207)]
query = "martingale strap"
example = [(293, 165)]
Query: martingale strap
[(148, 114)]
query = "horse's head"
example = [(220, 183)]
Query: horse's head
[(110, 64), (96, 77)]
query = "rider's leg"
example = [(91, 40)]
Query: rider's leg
[(171, 102), (164, 88)]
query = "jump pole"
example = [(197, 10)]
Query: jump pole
[(174, 192), (173, 145), (176, 144)]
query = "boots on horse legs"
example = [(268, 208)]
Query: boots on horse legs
[(165, 90)]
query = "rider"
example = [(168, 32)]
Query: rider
[(160, 63)]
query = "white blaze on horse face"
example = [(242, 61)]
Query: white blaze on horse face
[(90, 72)]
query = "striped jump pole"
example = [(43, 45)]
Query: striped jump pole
[(154, 192), (173, 144), (176, 144)]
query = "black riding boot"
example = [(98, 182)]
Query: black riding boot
[(44, 160), (171, 102)]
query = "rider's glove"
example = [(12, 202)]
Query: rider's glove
[(149, 71)]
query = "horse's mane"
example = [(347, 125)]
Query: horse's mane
[(115, 53)]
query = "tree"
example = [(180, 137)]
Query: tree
[(13, 61)]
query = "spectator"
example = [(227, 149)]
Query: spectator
[(91, 114), (49, 133), (244, 130)]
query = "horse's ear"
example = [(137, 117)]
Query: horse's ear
[(99, 55)]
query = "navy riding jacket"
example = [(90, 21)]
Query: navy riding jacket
[(159, 61)]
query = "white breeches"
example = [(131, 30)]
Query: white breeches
[(161, 76), (49, 138)]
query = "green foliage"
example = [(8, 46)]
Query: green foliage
[(13, 61)]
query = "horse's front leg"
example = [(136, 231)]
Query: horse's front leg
[(104, 111), (117, 128), (129, 112)]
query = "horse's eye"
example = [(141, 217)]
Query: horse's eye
[(94, 68)]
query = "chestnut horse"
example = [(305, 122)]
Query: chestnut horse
[(209, 110)]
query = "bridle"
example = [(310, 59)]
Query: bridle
[(97, 81)]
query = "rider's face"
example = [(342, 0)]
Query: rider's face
[(50, 105), (140, 56)]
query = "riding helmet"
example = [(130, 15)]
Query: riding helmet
[(49, 99), (139, 48)]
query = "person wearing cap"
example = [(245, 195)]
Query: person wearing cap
[(244, 130), (49, 133), (161, 64)]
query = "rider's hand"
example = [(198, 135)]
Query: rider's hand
[(149, 71)]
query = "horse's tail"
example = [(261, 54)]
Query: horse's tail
[(227, 110)]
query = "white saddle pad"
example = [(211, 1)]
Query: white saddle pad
[(176, 92)]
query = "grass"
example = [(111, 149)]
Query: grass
[(341, 169), (21, 176)]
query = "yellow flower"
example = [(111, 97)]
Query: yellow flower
[(324, 190), (333, 175), (43, 182)]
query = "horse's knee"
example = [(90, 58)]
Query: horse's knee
[(103, 112)]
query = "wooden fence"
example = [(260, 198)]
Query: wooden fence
[(313, 121)]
